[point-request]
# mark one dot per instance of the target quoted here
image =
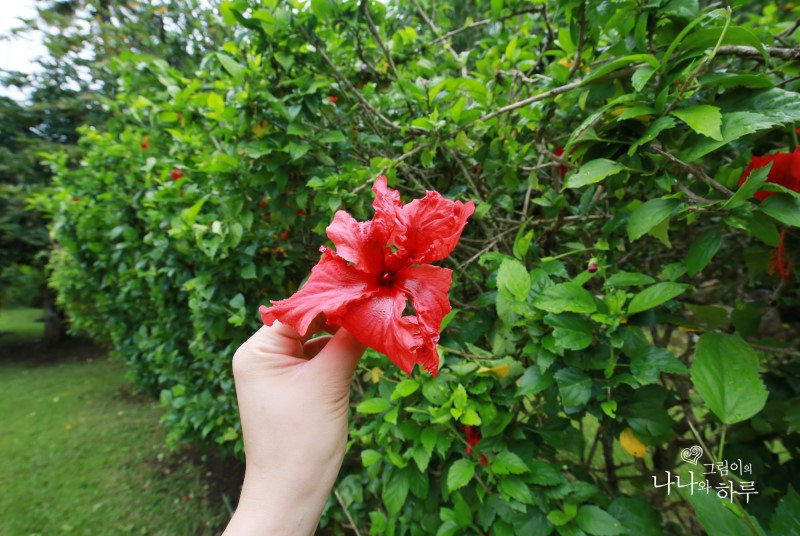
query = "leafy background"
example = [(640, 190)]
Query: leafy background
[(614, 295)]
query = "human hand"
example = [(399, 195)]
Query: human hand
[(293, 397)]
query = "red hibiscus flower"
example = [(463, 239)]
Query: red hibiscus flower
[(334, 99), (176, 174), (364, 285), (473, 437), (145, 142), (785, 171), (562, 169)]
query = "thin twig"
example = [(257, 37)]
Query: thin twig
[(321, 49), (772, 349), (697, 172), (436, 31), (753, 52), (377, 35), (346, 511), (482, 22)]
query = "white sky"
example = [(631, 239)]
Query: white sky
[(17, 54)]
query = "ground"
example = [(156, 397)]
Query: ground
[(82, 452)]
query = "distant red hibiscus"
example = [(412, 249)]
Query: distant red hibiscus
[(301, 212), (176, 174), (334, 99), (364, 285), (785, 171), (76, 199), (262, 203), (473, 437), (145, 142), (562, 169), (284, 236)]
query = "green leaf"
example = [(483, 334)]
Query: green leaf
[(373, 405), (592, 172), (648, 365), (653, 130), (575, 387), (717, 516), (648, 215), (655, 296), (571, 331), (323, 9), (516, 488), (636, 515), (641, 76), (369, 457), (725, 373), (784, 208), (544, 473), (753, 184), (629, 279), (297, 150), (230, 65), (405, 388), (395, 492), (786, 519), (509, 463), (734, 126), (513, 279), (459, 475), (566, 297), (332, 136), (619, 63), (703, 119), (249, 271), (703, 250), (597, 521), (421, 457)]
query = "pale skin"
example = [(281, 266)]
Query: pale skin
[(293, 397)]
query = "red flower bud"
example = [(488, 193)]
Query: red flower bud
[(145, 145), (262, 203), (300, 212), (592, 267), (484, 460), (285, 235), (76, 199), (334, 99), (176, 174)]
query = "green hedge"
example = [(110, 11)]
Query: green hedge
[(612, 283)]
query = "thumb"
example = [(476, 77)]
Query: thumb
[(338, 359)]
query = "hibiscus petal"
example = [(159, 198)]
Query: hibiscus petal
[(785, 171), (332, 286), (428, 229), (428, 287), (378, 323), (362, 243)]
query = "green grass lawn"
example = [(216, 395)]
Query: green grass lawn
[(22, 325), (78, 455)]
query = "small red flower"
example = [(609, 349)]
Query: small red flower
[(365, 284), (300, 212), (284, 236), (473, 437), (778, 263), (334, 99), (785, 171), (484, 460), (145, 142), (592, 267), (176, 174), (562, 169), (262, 203), (76, 199)]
